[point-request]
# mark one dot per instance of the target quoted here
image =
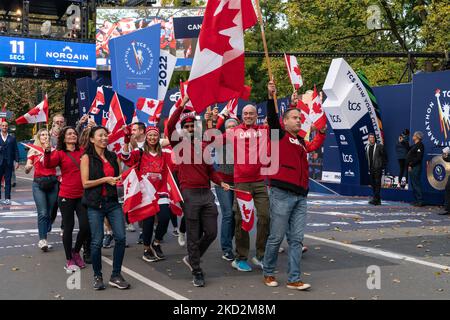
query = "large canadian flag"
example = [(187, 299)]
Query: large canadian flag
[(99, 100), (218, 70), (140, 197), (294, 71), (247, 208), (38, 114), (316, 113)]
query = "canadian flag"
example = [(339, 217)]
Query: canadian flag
[(247, 208), (33, 147), (183, 90), (99, 100), (140, 197), (116, 119), (174, 194), (38, 114), (304, 118), (295, 74), (127, 25), (151, 107), (218, 70), (114, 125), (316, 113)]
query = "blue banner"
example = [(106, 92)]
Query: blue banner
[(134, 63), (86, 90), (47, 53), (187, 27)]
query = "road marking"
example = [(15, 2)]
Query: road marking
[(378, 252), (148, 282), (337, 214), (387, 221)]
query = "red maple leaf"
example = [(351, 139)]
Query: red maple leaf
[(116, 147), (317, 107), (297, 70), (302, 118), (247, 212), (150, 104), (210, 37), (34, 112), (128, 186)]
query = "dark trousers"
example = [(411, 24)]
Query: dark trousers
[(403, 170), (183, 224), (68, 209), (6, 171), (375, 182), (414, 178), (161, 229), (201, 214)]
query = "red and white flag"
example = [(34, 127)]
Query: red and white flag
[(247, 208), (218, 69), (295, 74), (152, 107), (116, 140), (231, 107), (140, 197), (38, 114), (33, 147), (304, 118), (99, 100), (116, 119), (183, 90), (174, 194), (316, 113), (127, 25)]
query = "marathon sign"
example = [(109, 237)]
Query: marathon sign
[(352, 117), (47, 53), (187, 27)]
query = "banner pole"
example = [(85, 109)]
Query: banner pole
[(266, 51)]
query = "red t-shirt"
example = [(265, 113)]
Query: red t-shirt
[(39, 169), (108, 170), (71, 186)]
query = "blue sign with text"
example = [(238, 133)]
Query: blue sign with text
[(134, 63), (187, 27), (47, 53)]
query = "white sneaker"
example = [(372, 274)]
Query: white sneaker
[(281, 250), (181, 239), (61, 232), (43, 245), (7, 202), (130, 228), (257, 262)]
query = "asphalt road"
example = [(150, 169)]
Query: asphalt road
[(408, 247)]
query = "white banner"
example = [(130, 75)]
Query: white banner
[(167, 64)]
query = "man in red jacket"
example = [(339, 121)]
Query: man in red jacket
[(288, 192), (195, 177), (251, 142)]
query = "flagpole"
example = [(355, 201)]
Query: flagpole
[(266, 51)]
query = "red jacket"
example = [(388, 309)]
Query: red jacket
[(71, 186), (191, 175), (249, 141), (293, 173)]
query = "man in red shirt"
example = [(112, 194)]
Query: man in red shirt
[(288, 192), (195, 177)]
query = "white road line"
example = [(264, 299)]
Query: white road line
[(387, 221), (148, 282), (337, 214), (378, 252)]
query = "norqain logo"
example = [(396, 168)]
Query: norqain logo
[(66, 53)]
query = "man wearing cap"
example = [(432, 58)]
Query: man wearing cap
[(376, 157), (195, 177), (414, 160)]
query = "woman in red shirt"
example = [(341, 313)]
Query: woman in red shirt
[(67, 156), (152, 164), (45, 188)]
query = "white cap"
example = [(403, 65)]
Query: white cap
[(446, 150)]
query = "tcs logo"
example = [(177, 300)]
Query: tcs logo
[(353, 106), (335, 118), (347, 158)]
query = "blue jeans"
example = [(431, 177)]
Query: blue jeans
[(414, 178), (225, 199), (113, 212), (287, 217), (45, 201)]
